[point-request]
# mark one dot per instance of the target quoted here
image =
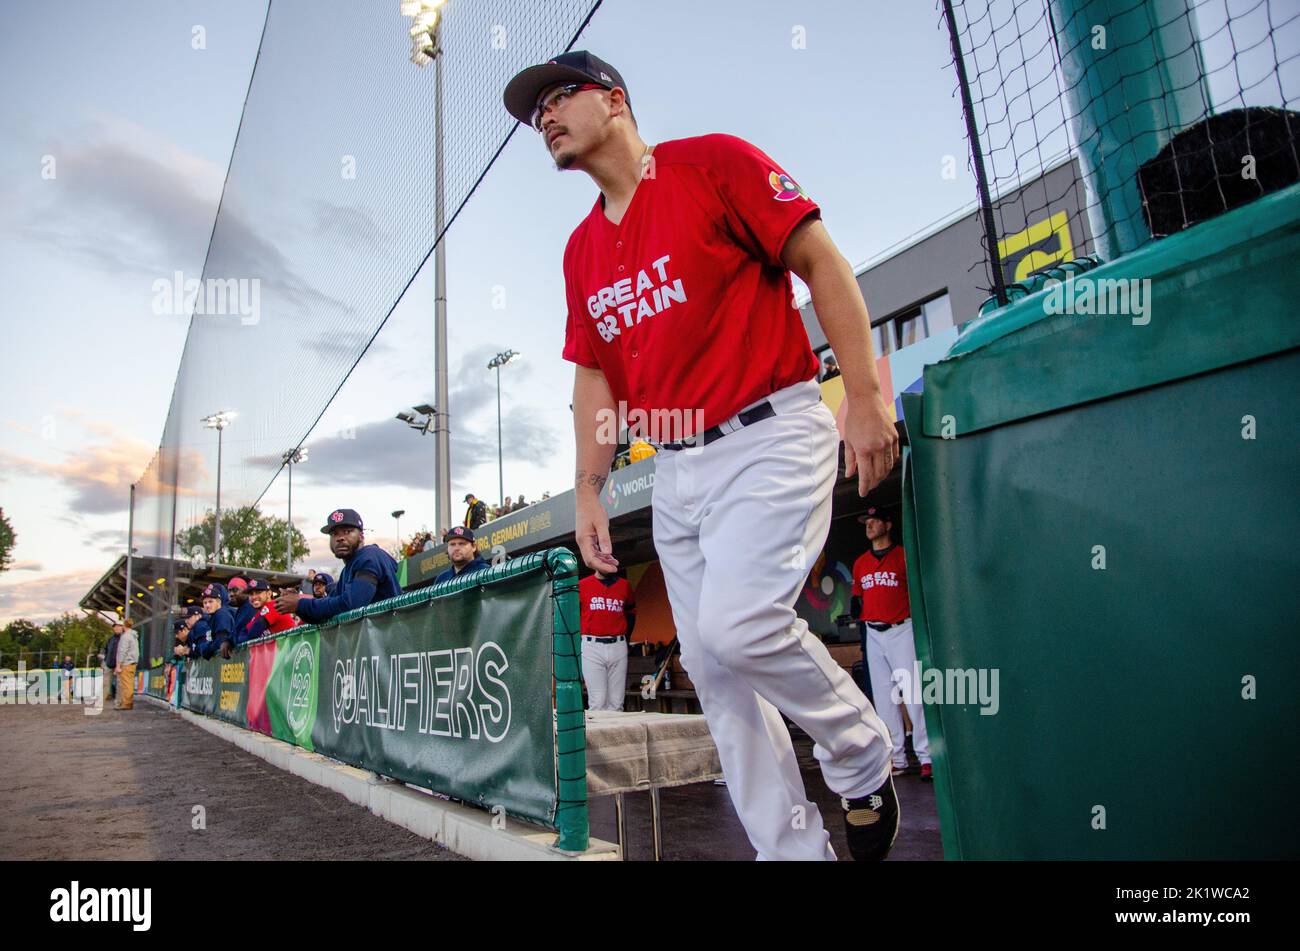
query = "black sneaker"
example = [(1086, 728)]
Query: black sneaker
[(871, 823)]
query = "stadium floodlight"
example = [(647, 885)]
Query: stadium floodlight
[(496, 363), (426, 48), (218, 421), (406, 417), (291, 458), (425, 408), (397, 517)]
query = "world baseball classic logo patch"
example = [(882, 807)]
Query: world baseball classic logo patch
[(785, 187)]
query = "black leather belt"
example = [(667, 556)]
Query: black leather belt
[(882, 626), (602, 640), (763, 410)]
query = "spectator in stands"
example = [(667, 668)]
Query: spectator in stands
[(830, 368), (607, 615), (128, 655), (428, 544), (267, 620), (69, 670), (476, 513), (221, 620), (242, 605), (464, 556), (521, 504), (369, 573), (110, 660), (545, 496)]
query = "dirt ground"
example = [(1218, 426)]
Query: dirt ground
[(124, 784)]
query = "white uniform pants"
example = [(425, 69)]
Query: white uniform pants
[(738, 525), (604, 670), (891, 657)]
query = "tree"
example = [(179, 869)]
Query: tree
[(249, 539), (7, 540), (78, 635)]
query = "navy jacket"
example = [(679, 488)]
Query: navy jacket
[(369, 575), (110, 651), (478, 564), (243, 616), (221, 627)]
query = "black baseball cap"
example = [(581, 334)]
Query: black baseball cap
[(340, 518), (459, 531), (322, 578), (579, 66), (255, 585), (193, 610), (874, 512)]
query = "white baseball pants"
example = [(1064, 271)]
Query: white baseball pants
[(738, 524), (891, 656), (604, 670)]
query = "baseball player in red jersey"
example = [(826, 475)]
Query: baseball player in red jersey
[(608, 615), (880, 583), (681, 321)]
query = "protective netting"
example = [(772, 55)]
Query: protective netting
[(1173, 111), (327, 214)]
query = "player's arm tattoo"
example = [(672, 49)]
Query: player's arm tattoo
[(593, 479)]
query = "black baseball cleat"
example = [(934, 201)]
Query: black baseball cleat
[(871, 823)]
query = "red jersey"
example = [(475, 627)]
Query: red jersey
[(605, 606), (685, 305), (275, 621), (882, 585)]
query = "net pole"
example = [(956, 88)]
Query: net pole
[(130, 547), (977, 157)]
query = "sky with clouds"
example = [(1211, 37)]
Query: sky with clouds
[(854, 98)]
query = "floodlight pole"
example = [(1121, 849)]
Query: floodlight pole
[(442, 432)]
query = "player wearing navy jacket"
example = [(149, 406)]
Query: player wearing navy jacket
[(369, 573), (464, 556), (220, 633), (680, 313)]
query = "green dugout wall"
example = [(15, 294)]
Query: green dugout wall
[(1102, 508)]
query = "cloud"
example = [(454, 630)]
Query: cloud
[(26, 566), (43, 599), (98, 476), (387, 452)]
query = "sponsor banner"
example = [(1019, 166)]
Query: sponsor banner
[(446, 696), (261, 660), (292, 687), (218, 687)]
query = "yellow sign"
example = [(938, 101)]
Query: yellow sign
[(1053, 230)]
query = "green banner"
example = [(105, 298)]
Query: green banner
[(218, 687), (470, 688), (292, 688), (452, 694)]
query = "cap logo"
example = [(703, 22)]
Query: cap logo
[(336, 516), (785, 187), (605, 76)]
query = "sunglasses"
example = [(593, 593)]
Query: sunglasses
[(555, 98)]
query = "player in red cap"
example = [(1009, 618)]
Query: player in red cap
[(681, 321)]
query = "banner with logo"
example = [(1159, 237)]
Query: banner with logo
[(459, 693), (447, 696)]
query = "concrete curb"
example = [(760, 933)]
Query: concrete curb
[(463, 829)]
